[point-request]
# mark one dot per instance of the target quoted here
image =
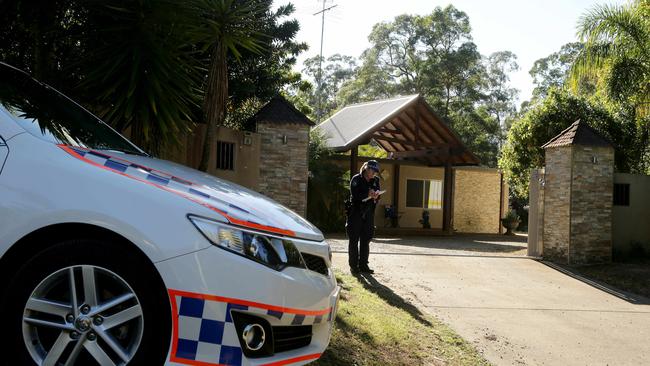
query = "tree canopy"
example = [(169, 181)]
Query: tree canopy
[(432, 55), (602, 80), (142, 66)]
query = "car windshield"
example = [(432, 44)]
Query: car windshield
[(47, 114)]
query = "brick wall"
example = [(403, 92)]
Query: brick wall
[(591, 205), (284, 167), (476, 200), (557, 207), (577, 207)]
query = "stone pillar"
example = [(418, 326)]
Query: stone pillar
[(284, 164), (591, 204), (577, 216), (557, 204)]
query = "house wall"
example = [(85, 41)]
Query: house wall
[(411, 216), (246, 159), (386, 184), (284, 168), (246, 164), (477, 196), (630, 223)]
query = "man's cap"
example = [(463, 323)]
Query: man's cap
[(374, 165)]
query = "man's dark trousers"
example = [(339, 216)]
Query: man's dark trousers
[(360, 228)]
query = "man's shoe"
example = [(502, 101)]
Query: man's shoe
[(366, 269), (354, 270)]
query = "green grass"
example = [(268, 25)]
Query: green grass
[(375, 326)]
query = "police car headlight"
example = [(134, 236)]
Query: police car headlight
[(271, 251)]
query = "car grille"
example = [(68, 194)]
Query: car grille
[(315, 263), (291, 337)]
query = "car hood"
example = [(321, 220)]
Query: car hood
[(239, 205)]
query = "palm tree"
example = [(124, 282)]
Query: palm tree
[(617, 48), (225, 27), (139, 68)]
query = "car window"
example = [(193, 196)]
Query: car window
[(49, 115)]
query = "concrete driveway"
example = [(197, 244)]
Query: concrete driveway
[(516, 311)]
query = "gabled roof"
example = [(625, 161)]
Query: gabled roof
[(281, 111), (351, 122), (406, 127), (579, 133)]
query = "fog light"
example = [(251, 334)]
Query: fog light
[(254, 336)]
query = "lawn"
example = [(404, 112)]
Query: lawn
[(375, 326)]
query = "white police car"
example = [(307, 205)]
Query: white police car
[(111, 257)]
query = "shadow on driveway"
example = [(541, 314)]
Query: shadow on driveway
[(371, 284), (490, 244), (437, 245)]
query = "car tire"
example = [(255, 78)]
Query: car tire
[(122, 316)]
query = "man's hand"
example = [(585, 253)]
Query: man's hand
[(373, 194)]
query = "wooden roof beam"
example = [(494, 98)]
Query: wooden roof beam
[(403, 142), (394, 137), (439, 152), (441, 131), (425, 127)]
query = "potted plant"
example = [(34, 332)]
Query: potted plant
[(511, 221)]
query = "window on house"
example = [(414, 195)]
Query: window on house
[(423, 193), (225, 155), (621, 194)]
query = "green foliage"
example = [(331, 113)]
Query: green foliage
[(261, 75), (511, 216), (372, 150), (143, 65), (545, 120), (552, 71), (336, 70), (139, 70), (609, 70), (617, 46), (433, 55), (328, 187)]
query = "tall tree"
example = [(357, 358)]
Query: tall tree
[(225, 27), (337, 70), (617, 44), (434, 55), (138, 69), (500, 97), (553, 70), (36, 36), (257, 76), (548, 118)]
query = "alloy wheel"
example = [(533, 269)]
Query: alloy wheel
[(80, 315)]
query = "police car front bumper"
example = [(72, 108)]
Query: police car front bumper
[(207, 286)]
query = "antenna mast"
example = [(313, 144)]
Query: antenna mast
[(319, 81)]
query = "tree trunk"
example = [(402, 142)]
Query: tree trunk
[(214, 105)]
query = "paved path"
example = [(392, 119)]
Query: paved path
[(516, 311)]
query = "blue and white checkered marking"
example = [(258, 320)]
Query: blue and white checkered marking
[(206, 332), (169, 181)]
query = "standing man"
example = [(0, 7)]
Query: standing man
[(360, 225)]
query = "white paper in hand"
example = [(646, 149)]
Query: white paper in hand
[(379, 193)]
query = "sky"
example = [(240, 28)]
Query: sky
[(532, 29)]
